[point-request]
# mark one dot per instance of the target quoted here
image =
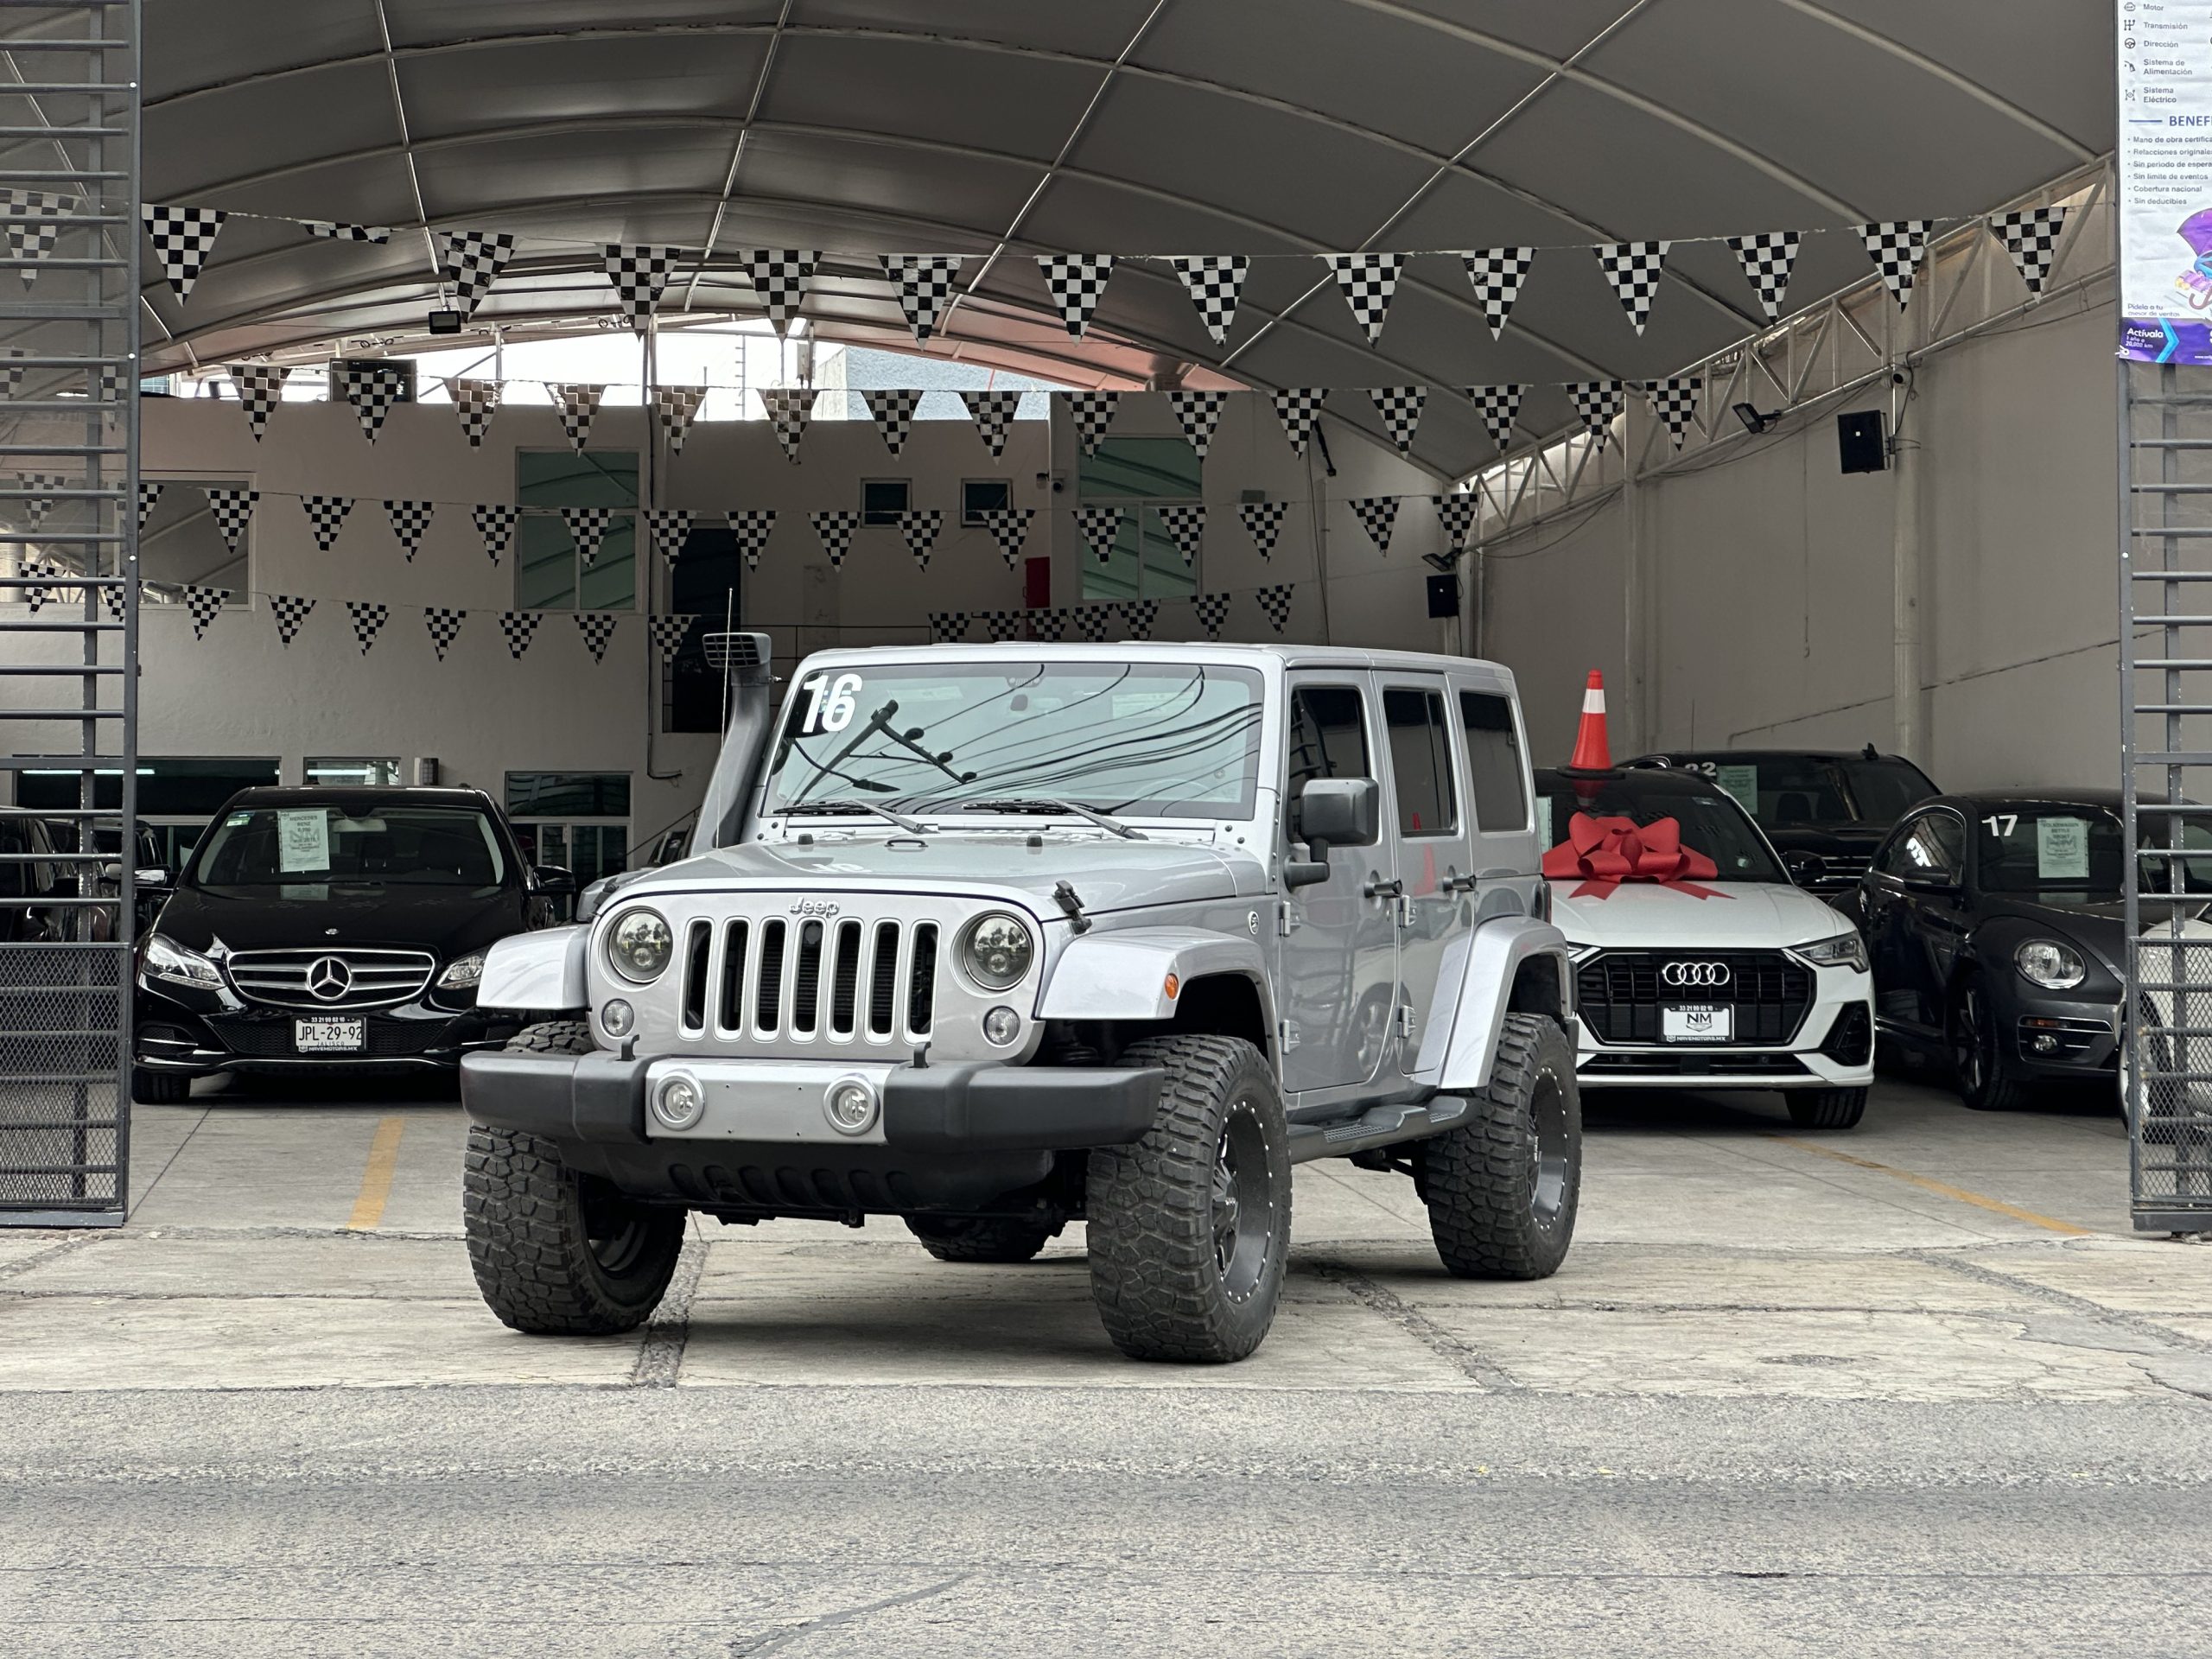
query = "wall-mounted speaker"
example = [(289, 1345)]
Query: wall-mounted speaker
[(1862, 441), (1444, 595)]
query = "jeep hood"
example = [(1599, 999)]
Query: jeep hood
[(1107, 872)]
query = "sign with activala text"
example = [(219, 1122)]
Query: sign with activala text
[(2166, 180)]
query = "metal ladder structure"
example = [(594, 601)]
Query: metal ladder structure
[(69, 517)]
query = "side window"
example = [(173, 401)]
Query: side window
[(1420, 762), (1933, 842), (1494, 768), (1327, 739)]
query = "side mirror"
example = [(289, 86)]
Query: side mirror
[(153, 878), (1937, 883), (1804, 868), (552, 879), (1334, 812)]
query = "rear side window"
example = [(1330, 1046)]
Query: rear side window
[(1494, 764), (1328, 739), (1420, 762)]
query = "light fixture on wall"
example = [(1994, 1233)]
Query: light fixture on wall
[(1443, 561), (1754, 422)]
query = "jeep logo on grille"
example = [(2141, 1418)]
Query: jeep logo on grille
[(822, 907), (1683, 975)]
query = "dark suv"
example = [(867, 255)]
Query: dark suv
[(1826, 811)]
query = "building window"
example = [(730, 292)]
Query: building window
[(182, 543), (575, 821), (550, 571), (706, 582), (568, 794), (351, 774), (882, 500), (980, 495), (1142, 474)]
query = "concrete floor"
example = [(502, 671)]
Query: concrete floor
[(1910, 1390)]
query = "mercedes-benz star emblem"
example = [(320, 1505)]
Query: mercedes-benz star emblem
[(328, 979), (1682, 976)]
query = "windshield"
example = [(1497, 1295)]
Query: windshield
[(1144, 740), (1712, 822), (312, 849), (1885, 790), (1787, 791), (2073, 855)]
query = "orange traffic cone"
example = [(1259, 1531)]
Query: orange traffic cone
[(1593, 753)]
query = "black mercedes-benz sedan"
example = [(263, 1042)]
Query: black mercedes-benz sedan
[(332, 928)]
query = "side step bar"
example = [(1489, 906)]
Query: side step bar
[(1379, 1126)]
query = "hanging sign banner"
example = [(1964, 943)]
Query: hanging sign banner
[(2166, 180)]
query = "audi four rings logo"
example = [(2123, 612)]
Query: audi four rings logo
[(328, 979), (1682, 976)]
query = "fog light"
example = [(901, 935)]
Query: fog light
[(1001, 1026), (850, 1106), (2044, 1043), (616, 1017), (679, 1102)]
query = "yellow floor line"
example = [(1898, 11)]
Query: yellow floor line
[(1943, 1188), (376, 1179)]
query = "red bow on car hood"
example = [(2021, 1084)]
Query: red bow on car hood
[(1605, 852)]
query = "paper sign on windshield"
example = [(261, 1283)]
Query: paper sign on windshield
[(2062, 849), (303, 840), (1742, 782)]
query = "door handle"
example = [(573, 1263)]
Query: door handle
[(1378, 888)]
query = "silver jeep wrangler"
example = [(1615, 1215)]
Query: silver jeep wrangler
[(992, 938)]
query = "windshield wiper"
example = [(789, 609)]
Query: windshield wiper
[(1045, 804), (843, 809)]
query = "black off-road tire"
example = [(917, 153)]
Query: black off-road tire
[(1501, 1187), (557, 1253), (1826, 1109), (962, 1238), (1188, 1246), (159, 1088)]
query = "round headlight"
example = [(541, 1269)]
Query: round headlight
[(2051, 964), (1001, 1026), (997, 951), (617, 1016), (639, 945)]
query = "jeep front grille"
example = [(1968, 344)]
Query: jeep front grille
[(320, 977), (777, 978)]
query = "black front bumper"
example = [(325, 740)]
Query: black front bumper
[(194, 1034)]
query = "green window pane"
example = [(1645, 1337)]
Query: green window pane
[(1160, 469), (549, 571)]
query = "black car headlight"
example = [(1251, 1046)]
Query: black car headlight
[(2052, 963), (997, 951), (638, 945), (166, 959)]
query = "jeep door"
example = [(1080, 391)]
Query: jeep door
[(1339, 954), (1426, 828)]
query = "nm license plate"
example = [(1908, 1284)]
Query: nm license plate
[(327, 1034), (1697, 1022)]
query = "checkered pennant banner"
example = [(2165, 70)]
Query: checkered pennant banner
[(1675, 403), (150, 496), (597, 629), (668, 633), (1092, 412), (410, 522), (372, 389), (1499, 406), (444, 625), (788, 407), (1051, 624), (668, 528), (946, 627), (640, 277), (1215, 283), (475, 402), (919, 525), (836, 529), (1009, 528), (1077, 283), (233, 510), (37, 597), (518, 628), (1769, 259), (1633, 268), (117, 598), (1101, 527), (2031, 238), (332, 230), (1199, 413), (752, 526), (472, 263), (1002, 626), (1598, 403), (1367, 282), (39, 502), (181, 239), (260, 389), (1897, 247), (1378, 517), (1095, 621), (1263, 522), (496, 525), (780, 277), (893, 412), (923, 282), (33, 220), (368, 621), (11, 372), (1213, 611), (1496, 274), (587, 528), (677, 408), (326, 517), (1138, 616), (290, 612), (1299, 409), (578, 403), (1186, 527), (1400, 408), (992, 411), (203, 603), (1274, 604), (1456, 514)]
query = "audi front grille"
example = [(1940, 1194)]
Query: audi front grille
[(1618, 993), (321, 980)]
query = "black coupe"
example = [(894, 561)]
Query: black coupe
[(332, 928)]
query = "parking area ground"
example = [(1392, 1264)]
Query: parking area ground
[(1918, 1381)]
